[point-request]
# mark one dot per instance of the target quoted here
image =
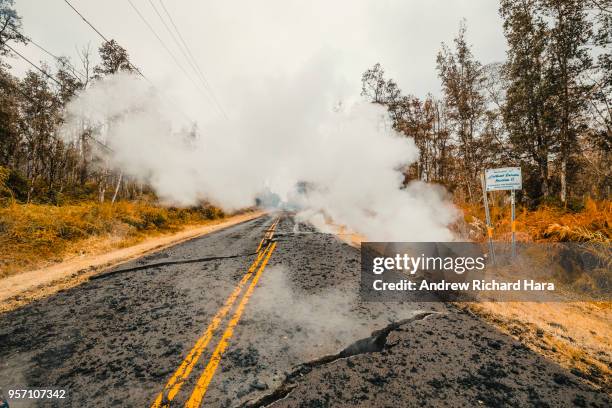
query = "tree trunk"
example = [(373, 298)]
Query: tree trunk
[(563, 176), (102, 187), (101, 192), (544, 176), (117, 187)]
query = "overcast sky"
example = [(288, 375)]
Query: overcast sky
[(236, 41)]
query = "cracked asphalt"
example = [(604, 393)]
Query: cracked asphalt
[(302, 338)]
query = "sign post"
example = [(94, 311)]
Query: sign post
[(488, 217), (505, 178), (513, 224)]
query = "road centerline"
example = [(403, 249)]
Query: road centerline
[(203, 382), (175, 382)]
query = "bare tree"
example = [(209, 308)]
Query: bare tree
[(84, 54)]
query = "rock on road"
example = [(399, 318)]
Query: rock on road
[(303, 338)]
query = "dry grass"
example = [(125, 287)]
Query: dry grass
[(577, 335), (21, 289), (32, 235), (545, 224)]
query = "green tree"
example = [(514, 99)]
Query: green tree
[(377, 89), (10, 140), (69, 82), (10, 26), (424, 121), (39, 120), (528, 111), (602, 75), (462, 85), (114, 58), (569, 56)]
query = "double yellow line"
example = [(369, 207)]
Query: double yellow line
[(268, 234), (177, 380)]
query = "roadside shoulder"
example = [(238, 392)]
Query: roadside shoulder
[(18, 290)]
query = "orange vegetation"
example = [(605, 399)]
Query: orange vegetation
[(32, 235), (593, 223), (574, 334)]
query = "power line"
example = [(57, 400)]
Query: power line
[(185, 50), (62, 61), (32, 100), (86, 21), (25, 95), (195, 62), (103, 37), (171, 102), (174, 38), (155, 34), (17, 88), (73, 71), (34, 65), (144, 20), (169, 31)]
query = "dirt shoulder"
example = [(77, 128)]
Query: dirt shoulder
[(17, 290), (575, 335)]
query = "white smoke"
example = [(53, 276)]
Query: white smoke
[(301, 130), (281, 307)]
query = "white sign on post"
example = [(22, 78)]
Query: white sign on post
[(506, 178)]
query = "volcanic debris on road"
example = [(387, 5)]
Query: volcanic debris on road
[(304, 338)]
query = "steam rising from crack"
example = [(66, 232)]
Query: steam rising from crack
[(288, 138)]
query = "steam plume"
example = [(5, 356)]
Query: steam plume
[(290, 137)]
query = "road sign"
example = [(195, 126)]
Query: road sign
[(506, 178)]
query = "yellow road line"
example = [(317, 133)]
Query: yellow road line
[(175, 382), (268, 233), (202, 385), (272, 230), (260, 243), (178, 378)]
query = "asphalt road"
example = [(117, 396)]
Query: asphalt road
[(265, 313)]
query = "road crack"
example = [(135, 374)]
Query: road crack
[(375, 343), (158, 264)]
